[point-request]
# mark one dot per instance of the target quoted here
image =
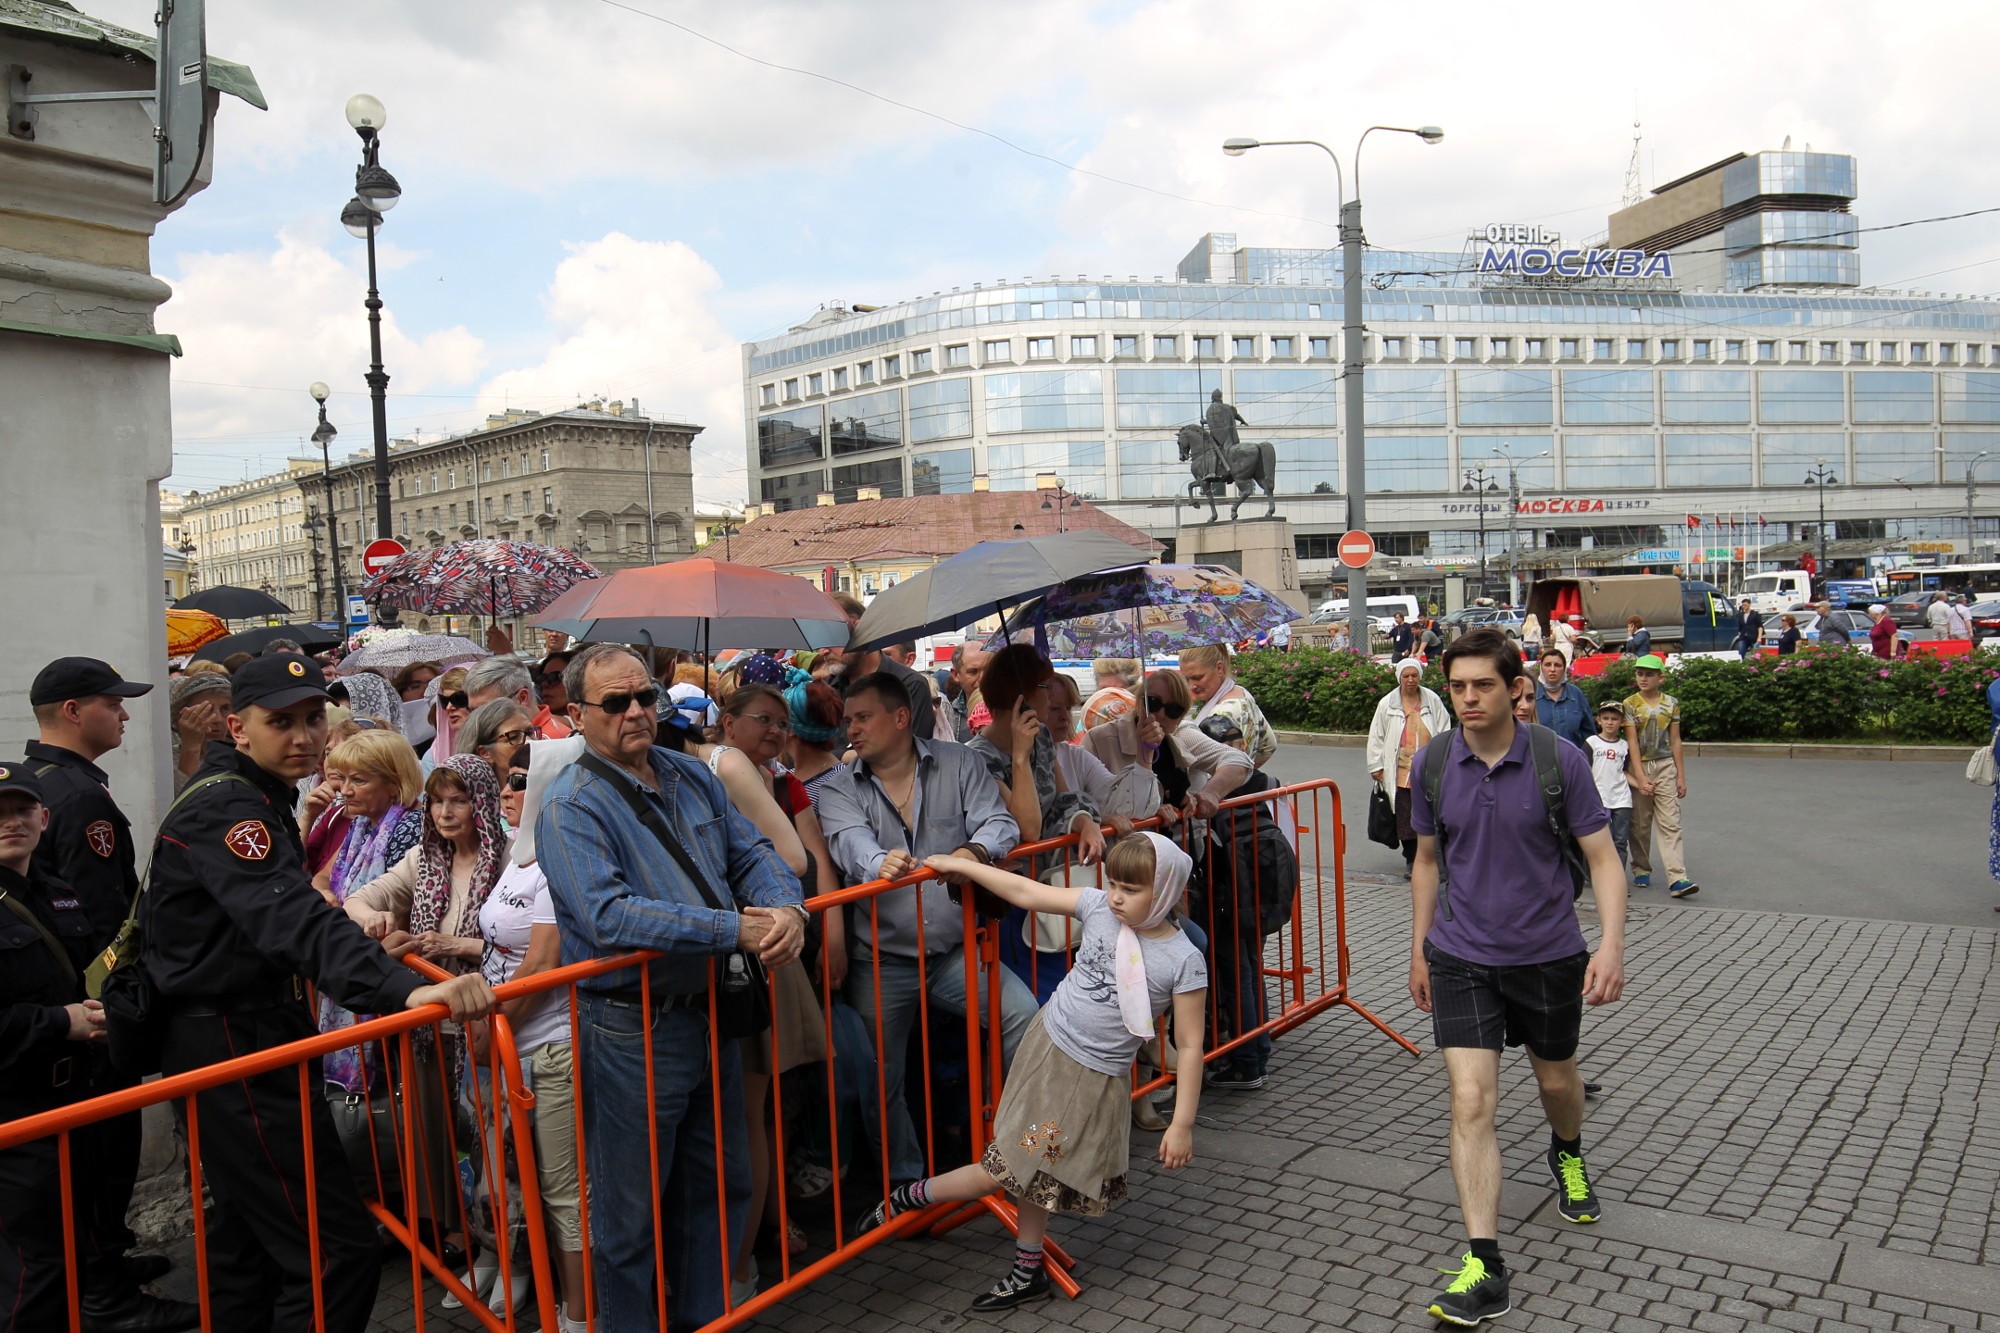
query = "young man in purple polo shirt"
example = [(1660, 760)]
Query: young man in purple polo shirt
[(1498, 957)]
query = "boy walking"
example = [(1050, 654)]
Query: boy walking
[(1659, 778), (1608, 762), (1497, 957)]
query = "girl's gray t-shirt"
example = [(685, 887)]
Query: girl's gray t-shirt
[(1082, 1018)]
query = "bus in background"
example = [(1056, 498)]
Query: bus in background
[(1981, 581)]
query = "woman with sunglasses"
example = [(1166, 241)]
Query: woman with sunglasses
[(1195, 772), (449, 708), (495, 732)]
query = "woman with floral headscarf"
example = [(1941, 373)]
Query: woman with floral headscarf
[(370, 696)]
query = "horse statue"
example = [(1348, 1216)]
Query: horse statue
[(1249, 466)]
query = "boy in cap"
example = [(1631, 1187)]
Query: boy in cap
[(1659, 778), (1609, 758), (233, 931)]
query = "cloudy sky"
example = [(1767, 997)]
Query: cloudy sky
[(607, 197)]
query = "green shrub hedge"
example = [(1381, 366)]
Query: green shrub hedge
[(1811, 696)]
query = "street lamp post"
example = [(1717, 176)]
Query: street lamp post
[(1821, 476), (1478, 483), (726, 530), (375, 192), (323, 436), (1062, 501), (1514, 518), (1971, 495), (1354, 453)]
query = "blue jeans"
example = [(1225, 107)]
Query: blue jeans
[(611, 1074), (1621, 832), (944, 977)]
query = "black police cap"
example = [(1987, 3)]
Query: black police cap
[(276, 680), (13, 777), (81, 678)]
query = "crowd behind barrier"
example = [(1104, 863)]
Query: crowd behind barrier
[(1279, 959)]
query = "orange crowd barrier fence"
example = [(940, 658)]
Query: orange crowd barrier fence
[(827, 1093)]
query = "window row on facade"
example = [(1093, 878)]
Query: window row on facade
[(1401, 462), (1272, 399)]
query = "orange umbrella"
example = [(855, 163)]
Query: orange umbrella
[(189, 630)]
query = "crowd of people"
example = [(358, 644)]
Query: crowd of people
[(507, 818)]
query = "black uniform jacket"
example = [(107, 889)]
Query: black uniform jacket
[(36, 1066), (88, 845), (231, 917)]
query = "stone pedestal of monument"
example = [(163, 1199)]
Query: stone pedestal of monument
[(1260, 549)]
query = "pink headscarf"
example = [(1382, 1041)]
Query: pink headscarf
[(1172, 868), (432, 893)]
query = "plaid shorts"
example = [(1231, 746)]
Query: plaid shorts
[(1538, 1005)]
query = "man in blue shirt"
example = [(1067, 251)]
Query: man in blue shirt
[(1498, 958), (1560, 704), (616, 887)]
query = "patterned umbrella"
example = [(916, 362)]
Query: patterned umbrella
[(1146, 610), (189, 630), (491, 577), (392, 651)]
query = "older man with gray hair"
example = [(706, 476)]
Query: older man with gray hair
[(505, 678)]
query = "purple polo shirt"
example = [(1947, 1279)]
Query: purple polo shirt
[(1512, 902)]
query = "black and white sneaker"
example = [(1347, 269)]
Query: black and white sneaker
[(1233, 1079), (1018, 1288), (1476, 1292)]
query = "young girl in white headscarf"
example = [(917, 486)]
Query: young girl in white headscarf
[(1062, 1134)]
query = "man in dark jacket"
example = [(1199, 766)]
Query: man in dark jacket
[(1402, 638), (1749, 628), (233, 933)]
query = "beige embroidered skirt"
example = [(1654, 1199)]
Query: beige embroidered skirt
[(1062, 1137)]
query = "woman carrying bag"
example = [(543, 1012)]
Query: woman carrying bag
[(1405, 719)]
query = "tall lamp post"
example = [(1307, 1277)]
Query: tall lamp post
[(725, 530), (1479, 484), (1821, 476), (1514, 517), (1354, 453), (375, 193), (1057, 497), (323, 437), (1971, 495)]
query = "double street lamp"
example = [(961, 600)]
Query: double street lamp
[(1354, 454), (375, 193), (323, 437), (1514, 517), (1821, 476), (1478, 484)]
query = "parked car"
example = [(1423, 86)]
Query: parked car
[(1808, 627), (1907, 609), (1985, 621)]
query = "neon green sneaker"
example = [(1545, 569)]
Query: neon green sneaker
[(1575, 1200), (1475, 1293)]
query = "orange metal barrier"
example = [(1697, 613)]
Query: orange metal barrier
[(1308, 972)]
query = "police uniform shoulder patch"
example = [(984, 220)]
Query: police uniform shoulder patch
[(250, 840), (102, 838)]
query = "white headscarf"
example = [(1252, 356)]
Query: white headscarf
[(1405, 665), (1171, 869), (546, 759)]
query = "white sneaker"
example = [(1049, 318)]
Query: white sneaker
[(565, 1324), (740, 1292)]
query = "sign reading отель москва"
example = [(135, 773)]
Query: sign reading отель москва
[(1530, 251)]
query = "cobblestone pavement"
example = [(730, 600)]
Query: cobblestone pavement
[(1797, 1131)]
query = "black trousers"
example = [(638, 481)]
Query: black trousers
[(33, 1295), (252, 1139), (109, 1154)]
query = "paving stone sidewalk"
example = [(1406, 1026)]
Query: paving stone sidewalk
[(1798, 1130)]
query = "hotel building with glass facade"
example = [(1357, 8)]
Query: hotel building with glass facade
[(1628, 404)]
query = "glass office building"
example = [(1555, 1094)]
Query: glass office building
[(1617, 406)]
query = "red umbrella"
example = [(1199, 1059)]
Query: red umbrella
[(699, 605)]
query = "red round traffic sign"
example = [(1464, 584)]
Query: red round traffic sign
[(1356, 548), (379, 553)]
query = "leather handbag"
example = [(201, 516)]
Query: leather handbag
[(742, 990), (1382, 817)]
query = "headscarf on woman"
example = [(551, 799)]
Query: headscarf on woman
[(368, 695), (798, 708), (1172, 868), (186, 690), (433, 888), (549, 759), (1405, 665)]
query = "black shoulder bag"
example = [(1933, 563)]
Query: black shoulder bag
[(742, 991)]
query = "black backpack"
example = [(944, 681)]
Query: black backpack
[(1542, 745)]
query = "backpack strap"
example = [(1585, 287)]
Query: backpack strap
[(1430, 773), (1548, 774), (27, 914)]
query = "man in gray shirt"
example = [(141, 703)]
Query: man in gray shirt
[(905, 798)]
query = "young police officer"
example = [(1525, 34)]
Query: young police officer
[(1498, 956), (233, 930), (79, 705)]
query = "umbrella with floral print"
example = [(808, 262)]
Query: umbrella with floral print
[(490, 577), (1146, 610)]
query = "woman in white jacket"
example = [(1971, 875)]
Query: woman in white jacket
[(1405, 719)]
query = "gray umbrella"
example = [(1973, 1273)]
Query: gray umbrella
[(985, 580)]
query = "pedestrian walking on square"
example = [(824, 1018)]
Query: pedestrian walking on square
[(1881, 632), (1659, 779), (1560, 704), (1609, 759), (1062, 1133), (1497, 956)]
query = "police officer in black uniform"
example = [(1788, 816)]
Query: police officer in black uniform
[(79, 705), (47, 1031), (232, 932)]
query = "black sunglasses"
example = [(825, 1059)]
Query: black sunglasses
[(614, 704), (1155, 704), (456, 699), (550, 678), (517, 782)]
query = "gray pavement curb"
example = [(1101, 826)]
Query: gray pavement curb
[(1901, 754)]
